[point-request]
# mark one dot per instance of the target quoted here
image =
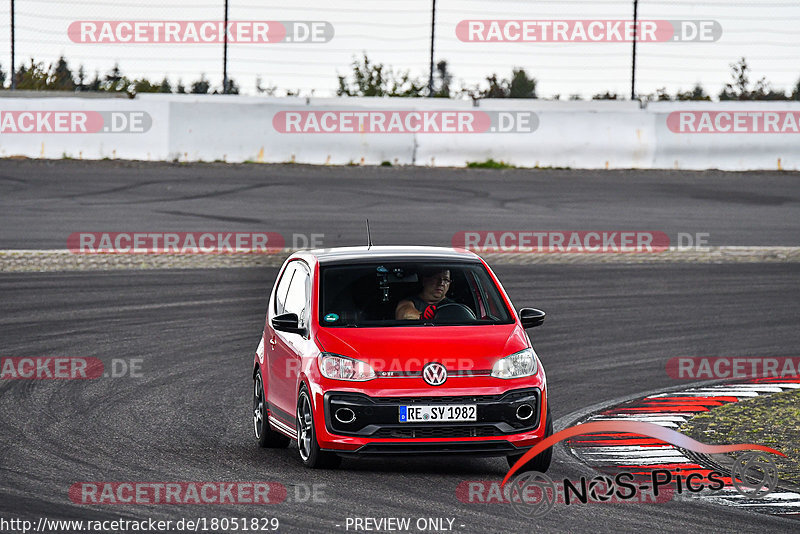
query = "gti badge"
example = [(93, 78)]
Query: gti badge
[(434, 374)]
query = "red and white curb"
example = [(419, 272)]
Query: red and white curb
[(623, 452)]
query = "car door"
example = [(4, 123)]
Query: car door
[(271, 349), (286, 348)]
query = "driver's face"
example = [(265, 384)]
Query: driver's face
[(435, 287)]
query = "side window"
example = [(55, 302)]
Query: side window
[(491, 298), (296, 298), (477, 293), (283, 287)]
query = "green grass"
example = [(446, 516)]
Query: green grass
[(772, 420), (489, 164)]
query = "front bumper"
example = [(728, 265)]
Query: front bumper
[(376, 430), (478, 448)]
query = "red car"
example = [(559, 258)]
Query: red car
[(375, 351)]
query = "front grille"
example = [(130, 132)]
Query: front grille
[(438, 400), (377, 417), (437, 432)]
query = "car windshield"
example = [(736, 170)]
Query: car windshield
[(409, 294)]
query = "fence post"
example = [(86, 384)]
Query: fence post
[(433, 30), (225, 53), (633, 62), (13, 78)]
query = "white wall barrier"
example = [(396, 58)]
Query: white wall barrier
[(435, 132), (84, 128), (731, 136)]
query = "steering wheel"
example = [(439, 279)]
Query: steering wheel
[(454, 311)]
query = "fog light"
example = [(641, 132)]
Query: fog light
[(345, 415), (524, 412)]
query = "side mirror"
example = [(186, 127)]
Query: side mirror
[(288, 322), (531, 317)]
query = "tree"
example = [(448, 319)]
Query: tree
[(33, 78), (81, 86), (441, 80), (521, 85), (697, 93), (796, 91), (115, 82), (61, 77), (269, 90), (662, 95), (606, 96), (95, 83), (404, 85), (764, 91), (739, 88), (368, 79), (201, 86), (165, 86), (180, 89), (143, 85), (497, 88), (2, 77), (232, 88)]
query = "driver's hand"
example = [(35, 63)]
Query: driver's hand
[(429, 312)]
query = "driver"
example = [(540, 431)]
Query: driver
[(435, 284)]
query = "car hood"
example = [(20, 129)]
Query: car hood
[(410, 348)]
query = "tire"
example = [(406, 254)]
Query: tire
[(310, 453), (266, 437), (540, 462)]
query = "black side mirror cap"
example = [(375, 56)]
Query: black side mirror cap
[(288, 322), (531, 317)]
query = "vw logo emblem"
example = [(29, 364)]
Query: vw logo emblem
[(434, 374)]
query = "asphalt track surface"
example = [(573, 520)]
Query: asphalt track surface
[(610, 330), (42, 202)]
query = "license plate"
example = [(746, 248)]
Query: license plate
[(435, 414)]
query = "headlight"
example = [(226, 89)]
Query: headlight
[(339, 367), (522, 363)]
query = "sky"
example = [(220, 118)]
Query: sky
[(397, 34)]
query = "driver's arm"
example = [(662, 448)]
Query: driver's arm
[(406, 310)]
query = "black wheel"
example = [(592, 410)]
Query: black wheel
[(310, 453), (540, 462), (266, 437)]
